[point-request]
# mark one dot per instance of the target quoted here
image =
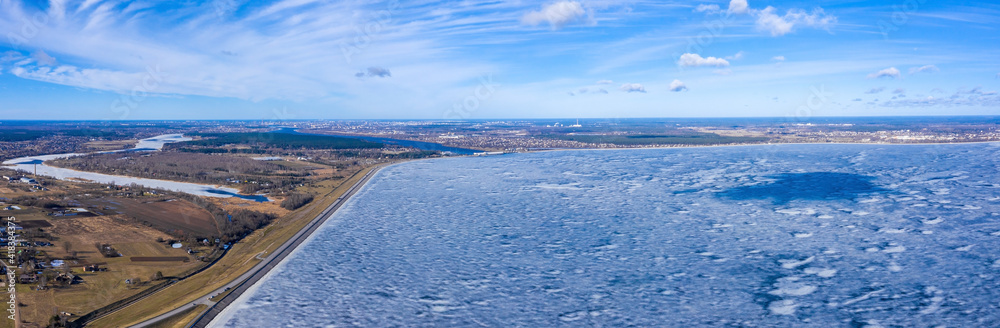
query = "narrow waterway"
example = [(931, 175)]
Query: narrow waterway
[(32, 164)]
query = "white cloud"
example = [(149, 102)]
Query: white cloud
[(778, 58), (890, 72), (737, 56), (768, 21), (379, 72), (633, 87), (556, 14), (595, 91), (311, 55), (677, 86), (706, 8), (11, 56), (899, 91), (924, 69), (975, 97), (738, 7), (43, 58), (875, 90), (695, 60), (605, 82)]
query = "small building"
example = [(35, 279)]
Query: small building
[(27, 279), (68, 278), (28, 180), (177, 245), (94, 268)]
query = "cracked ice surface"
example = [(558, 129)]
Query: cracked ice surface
[(756, 236)]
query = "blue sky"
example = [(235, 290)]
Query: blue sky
[(300, 59)]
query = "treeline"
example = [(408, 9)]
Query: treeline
[(223, 150), (294, 201), (278, 140), (11, 135), (414, 154), (241, 223), (37, 202), (232, 226)]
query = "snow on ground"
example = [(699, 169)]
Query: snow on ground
[(756, 236)]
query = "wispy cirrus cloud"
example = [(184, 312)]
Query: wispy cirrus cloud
[(975, 97), (556, 14), (305, 56), (707, 8), (924, 69)]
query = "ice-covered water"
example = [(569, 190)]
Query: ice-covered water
[(756, 236), (35, 164)]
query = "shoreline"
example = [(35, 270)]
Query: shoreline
[(248, 281), (771, 144)]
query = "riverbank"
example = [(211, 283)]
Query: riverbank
[(36, 165)]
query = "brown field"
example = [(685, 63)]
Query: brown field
[(34, 224), (110, 145), (102, 229), (170, 214), (99, 288), (232, 203), (159, 259)]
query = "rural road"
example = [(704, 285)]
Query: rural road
[(246, 280)]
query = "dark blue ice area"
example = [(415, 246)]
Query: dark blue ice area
[(757, 236), (806, 186)]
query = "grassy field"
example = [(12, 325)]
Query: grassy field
[(105, 145), (168, 214), (102, 288), (181, 319), (240, 259)]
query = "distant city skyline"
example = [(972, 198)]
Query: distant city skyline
[(297, 59)]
